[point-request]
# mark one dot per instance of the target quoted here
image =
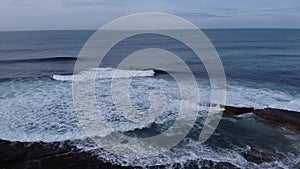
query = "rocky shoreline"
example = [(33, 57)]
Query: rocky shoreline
[(64, 155), (278, 117), (40, 155)]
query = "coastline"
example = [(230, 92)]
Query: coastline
[(65, 155), (62, 155)]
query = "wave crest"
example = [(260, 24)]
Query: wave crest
[(104, 73)]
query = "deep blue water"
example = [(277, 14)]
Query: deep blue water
[(262, 68), (261, 56)]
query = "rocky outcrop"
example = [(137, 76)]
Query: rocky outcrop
[(194, 164), (280, 117), (258, 156), (238, 110), (56, 155), (62, 155)]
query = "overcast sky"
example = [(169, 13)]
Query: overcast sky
[(92, 14)]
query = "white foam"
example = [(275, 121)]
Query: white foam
[(41, 109), (262, 98), (193, 150), (237, 95), (104, 73)]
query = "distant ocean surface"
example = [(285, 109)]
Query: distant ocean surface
[(262, 69)]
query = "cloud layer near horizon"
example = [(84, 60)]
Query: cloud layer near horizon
[(92, 14)]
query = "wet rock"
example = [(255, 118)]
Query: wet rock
[(260, 156), (297, 166), (286, 118), (56, 155), (238, 110), (63, 155), (197, 164), (208, 164), (173, 166), (279, 117), (124, 142)]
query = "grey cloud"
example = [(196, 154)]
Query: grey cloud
[(279, 12), (222, 13), (270, 14), (232, 11), (71, 3), (281, 9), (203, 14)]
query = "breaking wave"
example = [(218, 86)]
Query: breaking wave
[(104, 73)]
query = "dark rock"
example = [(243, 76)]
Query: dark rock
[(173, 166), (208, 164), (297, 166), (260, 156), (285, 118), (197, 164), (63, 155), (279, 117), (56, 155), (124, 142), (238, 110)]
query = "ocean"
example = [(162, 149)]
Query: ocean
[(261, 66)]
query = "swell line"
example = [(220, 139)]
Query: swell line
[(48, 59)]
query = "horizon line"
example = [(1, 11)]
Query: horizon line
[(32, 30)]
